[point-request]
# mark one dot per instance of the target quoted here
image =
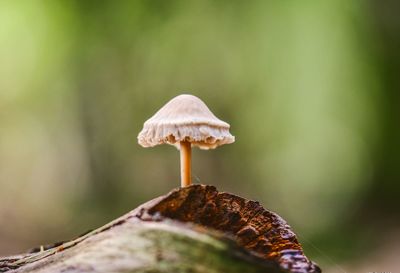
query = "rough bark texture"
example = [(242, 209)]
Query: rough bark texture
[(192, 229)]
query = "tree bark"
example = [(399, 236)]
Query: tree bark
[(192, 229)]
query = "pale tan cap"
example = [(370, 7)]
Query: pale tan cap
[(185, 118)]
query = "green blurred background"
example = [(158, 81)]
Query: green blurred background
[(311, 90)]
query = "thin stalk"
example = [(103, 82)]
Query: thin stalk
[(186, 154)]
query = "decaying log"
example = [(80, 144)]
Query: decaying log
[(192, 229)]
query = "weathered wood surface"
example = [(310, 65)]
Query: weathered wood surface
[(194, 229)]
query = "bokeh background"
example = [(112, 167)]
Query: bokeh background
[(311, 90)]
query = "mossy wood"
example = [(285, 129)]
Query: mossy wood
[(192, 229)]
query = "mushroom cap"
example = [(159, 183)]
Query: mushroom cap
[(185, 118)]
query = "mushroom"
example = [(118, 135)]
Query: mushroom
[(185, 121)]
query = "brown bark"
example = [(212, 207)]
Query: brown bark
[(191, 229)]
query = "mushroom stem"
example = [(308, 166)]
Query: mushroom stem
[(186, 153)]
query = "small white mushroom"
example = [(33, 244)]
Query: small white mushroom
[(185, 121)]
